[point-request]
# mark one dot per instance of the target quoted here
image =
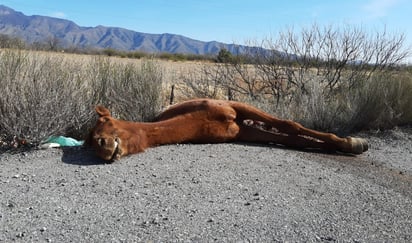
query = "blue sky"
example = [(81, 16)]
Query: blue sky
[(225, 20)]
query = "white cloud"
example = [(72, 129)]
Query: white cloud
[(58, 15), (379, 8)]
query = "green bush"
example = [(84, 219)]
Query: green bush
[(224, 56)]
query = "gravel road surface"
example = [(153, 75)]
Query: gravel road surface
[(210, 192)]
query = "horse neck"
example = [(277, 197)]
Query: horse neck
[(165, 132)]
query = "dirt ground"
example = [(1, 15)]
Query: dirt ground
[(210, 192)]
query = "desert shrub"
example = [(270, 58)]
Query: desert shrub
[(136, 54), (11, 42), (45, 94), (382, 102), (224, 56), (316, 110), (180, 57), (41, 96), (131, 91), (111, 52), (204, 81)]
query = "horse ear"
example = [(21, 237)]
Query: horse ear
[(102, 111)]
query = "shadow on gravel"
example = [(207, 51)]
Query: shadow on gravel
[(86, 157), (80, 156), (306, 150)]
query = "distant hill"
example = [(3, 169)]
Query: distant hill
[(40, 28)]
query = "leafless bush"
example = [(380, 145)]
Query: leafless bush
[(338, 56), (205, 81)]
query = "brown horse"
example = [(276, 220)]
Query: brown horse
[(209, 121)]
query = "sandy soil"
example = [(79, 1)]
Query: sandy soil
[(210, 192)]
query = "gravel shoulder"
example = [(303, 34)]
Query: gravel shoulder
[(210, 192)]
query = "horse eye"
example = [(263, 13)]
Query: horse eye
[(101, 142)]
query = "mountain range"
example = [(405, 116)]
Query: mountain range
[(40, 28)]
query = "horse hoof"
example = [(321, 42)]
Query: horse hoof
[(359, 145)]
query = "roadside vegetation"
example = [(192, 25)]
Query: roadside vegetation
[(341, 80), (46, 94), (332, 79)]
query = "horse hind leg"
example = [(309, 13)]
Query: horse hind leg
[(293, 133), (255, 134), (347, 145), (356, 145)]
